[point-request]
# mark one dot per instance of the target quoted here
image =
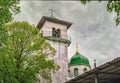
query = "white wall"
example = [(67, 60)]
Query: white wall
[(49, 25), (61, 58), (80, 69)]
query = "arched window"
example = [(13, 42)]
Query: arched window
[(85, 70), (69, 73), (76, 72), (53, 32), (58, 32)]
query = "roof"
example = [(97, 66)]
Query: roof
[(78, 59), (106, 73), (51, 19), (51, 16)]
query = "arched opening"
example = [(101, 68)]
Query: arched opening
[(58, 32), (85, 70), (69, 73), (53, 32), (76, 72)]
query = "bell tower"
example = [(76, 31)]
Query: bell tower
[(55, 32)]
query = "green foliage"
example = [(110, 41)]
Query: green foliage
[(112, 5), (84, 1), (23, 54), (7, 9), (28, 55), (3, 37)]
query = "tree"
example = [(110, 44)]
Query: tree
[(112, 6), (7, 9), (28, 54)]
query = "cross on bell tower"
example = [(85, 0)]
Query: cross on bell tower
[(52, 11)]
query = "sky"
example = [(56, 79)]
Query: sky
[(93, 27)]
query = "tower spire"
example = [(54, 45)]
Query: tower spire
[(76, 47)]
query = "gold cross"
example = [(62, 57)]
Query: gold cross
[(76, 47)]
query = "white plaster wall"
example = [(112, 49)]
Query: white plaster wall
[(61, 58), (80, 69)]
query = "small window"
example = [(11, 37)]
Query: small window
[(69, 73), (85, 70), (76, 72)]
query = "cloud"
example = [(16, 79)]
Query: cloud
[(93, 27)]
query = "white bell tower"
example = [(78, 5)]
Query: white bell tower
[(55, 32)]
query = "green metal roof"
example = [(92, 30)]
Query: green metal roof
[(78, 59), (51, 16)]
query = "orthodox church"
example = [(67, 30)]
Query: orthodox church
[(55, 32)]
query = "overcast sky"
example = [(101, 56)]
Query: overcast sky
[(93, 27)]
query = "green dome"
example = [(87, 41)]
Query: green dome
[(78, 59)]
